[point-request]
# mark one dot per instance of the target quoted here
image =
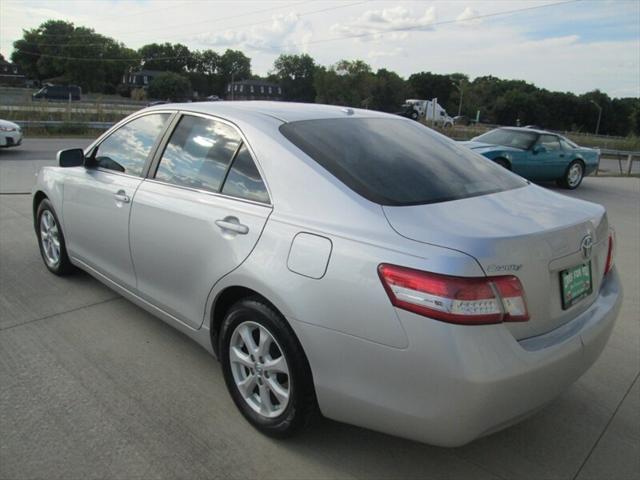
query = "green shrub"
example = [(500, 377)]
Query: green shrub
[(169, 86)]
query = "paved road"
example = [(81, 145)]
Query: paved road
[(18, 165), (92, 386)]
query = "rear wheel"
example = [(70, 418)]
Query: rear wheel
[(265, 369), (573, 175), (51, 240)]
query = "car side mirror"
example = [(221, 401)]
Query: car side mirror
[(538, 149), (73, 157)]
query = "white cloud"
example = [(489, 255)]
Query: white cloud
[(467, 17), (373, 24), (394, 52), (273, 37)]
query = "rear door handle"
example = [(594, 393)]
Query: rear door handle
[(232, 224), (121, 196)]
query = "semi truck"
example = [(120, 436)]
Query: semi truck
[(430, 110)]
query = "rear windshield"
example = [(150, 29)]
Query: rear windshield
[(397, 162), (509, 138)]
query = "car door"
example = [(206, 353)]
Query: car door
[(197, 217), (97, 199), (546, 159)]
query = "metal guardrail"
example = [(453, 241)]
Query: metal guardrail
[(620, 155), (56, 123)]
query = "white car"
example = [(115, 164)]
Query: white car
[(10, 134)]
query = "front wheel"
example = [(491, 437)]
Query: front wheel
[(51, 240), (573, 175), (265, 369)]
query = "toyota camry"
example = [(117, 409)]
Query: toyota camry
[(340, 261)]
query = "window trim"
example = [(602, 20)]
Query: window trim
[(90, 151), (159, 152)]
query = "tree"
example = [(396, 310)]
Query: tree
[(165, 56), (349, 83), (295, 73), (169, 86), (58, 50), (389, 92), (234, 63)]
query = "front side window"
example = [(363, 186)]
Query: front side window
[(126, 150), (549, 142), (243, 180), (397, 162), (198, 153)]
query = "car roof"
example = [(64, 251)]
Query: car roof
[(534, 130), (283, 111)]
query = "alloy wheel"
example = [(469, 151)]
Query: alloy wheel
[(259, 369), (575, 175), (50, 238)]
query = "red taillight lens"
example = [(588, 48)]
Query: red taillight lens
[(468, 301), (611, 252)]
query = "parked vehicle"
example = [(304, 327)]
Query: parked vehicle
[(429, 110), (537, 154), (10, 134), (388, 276), (58, 92)]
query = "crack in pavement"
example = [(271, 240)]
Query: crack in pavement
[(606, 427), (2, 329)]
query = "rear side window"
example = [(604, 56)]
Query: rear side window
[(243, 180), (126, 150), (198, 153), (397, 162)]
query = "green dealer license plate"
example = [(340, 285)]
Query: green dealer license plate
[(575, 284)]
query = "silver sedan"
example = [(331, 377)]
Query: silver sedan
[(340, 261)]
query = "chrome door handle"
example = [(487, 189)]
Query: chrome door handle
[(232, 224), (121, 196)]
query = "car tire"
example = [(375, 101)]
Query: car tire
[(503, 163), (51, 240), (573, 175), (414, 115), (258, 376)]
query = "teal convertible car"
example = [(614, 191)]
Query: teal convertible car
[(537, 154)]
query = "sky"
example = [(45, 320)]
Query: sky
[(575, 46)]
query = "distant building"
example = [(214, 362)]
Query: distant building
[(253, 90), (10, 74), (139, 78)]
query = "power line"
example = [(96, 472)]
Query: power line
[(214, 20), (444, 22), (304, 14), (332, 39)]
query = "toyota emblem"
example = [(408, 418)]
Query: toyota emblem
[(586, 245)]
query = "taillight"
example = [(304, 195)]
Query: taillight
[(611, 252), (462, 300)]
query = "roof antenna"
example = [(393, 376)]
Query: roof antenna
[(348, 111)]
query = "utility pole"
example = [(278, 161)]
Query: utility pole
[(232, 84), (460, 89), (599, 115)]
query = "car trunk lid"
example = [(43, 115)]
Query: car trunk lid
[(528, 232)]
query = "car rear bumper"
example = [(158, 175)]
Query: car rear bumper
[(453, 383)]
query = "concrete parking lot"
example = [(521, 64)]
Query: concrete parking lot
[(91, 386)]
